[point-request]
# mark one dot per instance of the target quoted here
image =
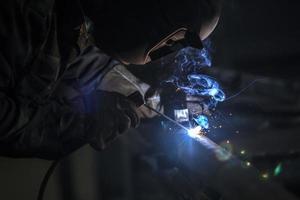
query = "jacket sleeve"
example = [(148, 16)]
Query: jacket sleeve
[(46, 131), (28, 129)]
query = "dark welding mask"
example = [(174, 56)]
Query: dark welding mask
[(191, 39), (131, 31)]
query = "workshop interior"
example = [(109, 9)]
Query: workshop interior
[(229, 131)]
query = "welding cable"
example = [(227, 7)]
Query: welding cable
[(46, 179)]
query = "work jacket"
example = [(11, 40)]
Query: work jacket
[(46, 64)]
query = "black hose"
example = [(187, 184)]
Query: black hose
[(46, 178)]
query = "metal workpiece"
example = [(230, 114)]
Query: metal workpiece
[(220, 169), (211, 164)]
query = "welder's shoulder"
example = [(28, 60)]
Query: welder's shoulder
[(41, 5), (23, 29), (23, 7), (24, 17)]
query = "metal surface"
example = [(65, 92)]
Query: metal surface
[(225, 173)]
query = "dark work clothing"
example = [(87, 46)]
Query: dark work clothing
[(43, 74)]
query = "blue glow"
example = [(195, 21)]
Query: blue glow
[(202, 121), (188, 76), (213, 92), (203, 85), (190, 57)]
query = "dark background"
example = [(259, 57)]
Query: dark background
[(256, 46)]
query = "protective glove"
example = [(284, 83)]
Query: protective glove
[(108, 114), (120, 79)]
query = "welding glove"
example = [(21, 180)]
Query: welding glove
[(108, 114), (122, 81)]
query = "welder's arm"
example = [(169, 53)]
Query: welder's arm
[(46, 131), (26, 128), (109, 114), (54, 129)]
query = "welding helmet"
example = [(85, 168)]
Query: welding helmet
[(135, 30)]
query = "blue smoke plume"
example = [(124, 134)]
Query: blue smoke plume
[(188, 77)]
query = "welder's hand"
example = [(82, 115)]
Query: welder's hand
[(108, 115), (152, 99)]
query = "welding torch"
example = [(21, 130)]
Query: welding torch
[(166, 117)]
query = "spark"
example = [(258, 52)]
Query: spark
[(265, 175), (278, 169), (246, 88)]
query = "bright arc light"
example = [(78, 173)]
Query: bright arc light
[(195, 132)]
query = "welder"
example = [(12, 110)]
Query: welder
[(61, 67)]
